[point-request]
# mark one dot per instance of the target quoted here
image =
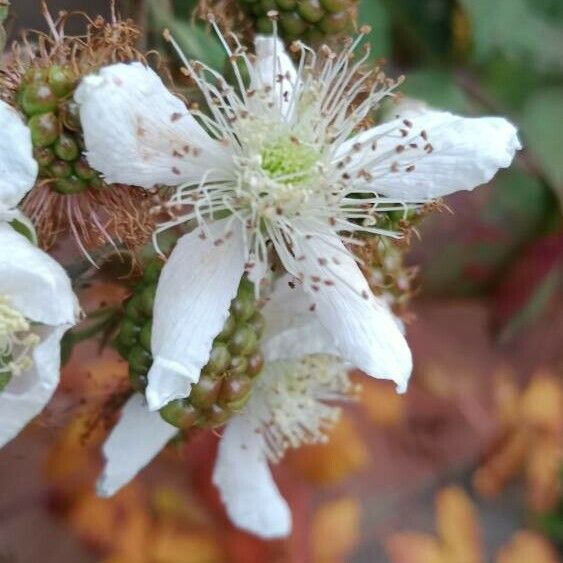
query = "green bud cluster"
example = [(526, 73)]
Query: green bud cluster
[(45, 97), (313, 21), (235, 361)]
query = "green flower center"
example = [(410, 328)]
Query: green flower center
[(16, 342), (289, 161)]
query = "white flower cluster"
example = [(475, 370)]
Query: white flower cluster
[(37, 304), (279, 171)]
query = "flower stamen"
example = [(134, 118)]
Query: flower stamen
[(289, 406), (16, 342)]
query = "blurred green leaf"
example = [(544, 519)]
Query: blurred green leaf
[(99, 324), (516, 29), (4, 9), (374, 14), (481, 244), (551, 523), (529, 285), (195, 41), (542, 120), (421, 30), (184, 8), (519, 203), (437, 88), (549, 8), (552, 526), (24, 226), (509, 81)]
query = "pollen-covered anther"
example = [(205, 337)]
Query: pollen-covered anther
[(289, 406), (16, 342)]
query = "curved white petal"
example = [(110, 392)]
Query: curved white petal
[(192, 302), (293, 330), (246, 485), (26, 394), (18, 168), (274, 69), (136, 439), (405, 108), (35, 283), (363, 330), (138, 133), (430, 155)]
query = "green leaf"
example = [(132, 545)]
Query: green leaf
[(195, 41), (437, 88), (24, 226), (549, 8), (516, 29), (482, 240), (421, 30), (100, 323), (510, 82), (184, 8), (374, 14), (542, 119), (534, 307), (529, 286), (4, 9)]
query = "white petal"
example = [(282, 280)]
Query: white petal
[(18, 169), (137, 438), (35, 283), (138, 133), (26, 394), (363, 330), (192, 302), (405, 108), (274, 69), (448, 153), (244, 480), (293, 330)]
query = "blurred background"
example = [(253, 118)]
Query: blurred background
[(466, 467)]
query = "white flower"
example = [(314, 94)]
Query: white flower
[(281, 161), (18, 169), (289, 407), (37, 306)]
